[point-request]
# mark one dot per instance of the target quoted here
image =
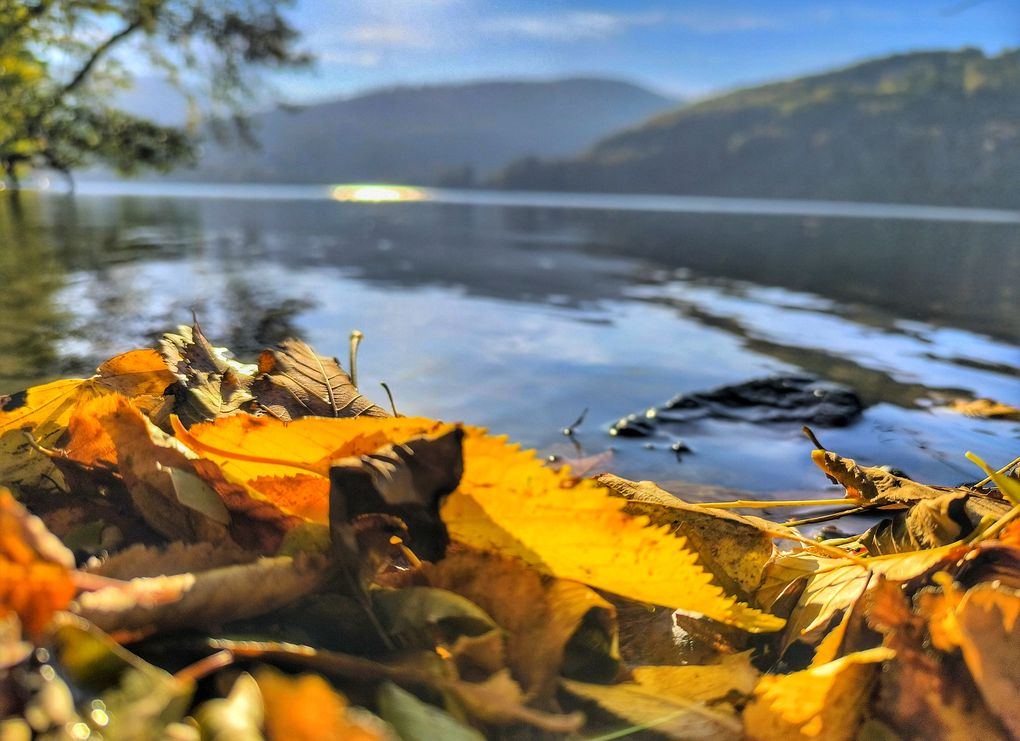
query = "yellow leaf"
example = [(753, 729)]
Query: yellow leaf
[(823, 702), (510, 503), (307, 708), (49, 406), (679, 701)]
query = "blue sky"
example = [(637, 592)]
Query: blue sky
[(682, 48)]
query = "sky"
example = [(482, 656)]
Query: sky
[(683, 48)]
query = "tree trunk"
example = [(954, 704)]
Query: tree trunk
[(11, 175)]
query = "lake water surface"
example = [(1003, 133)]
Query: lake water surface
[(518, 317)]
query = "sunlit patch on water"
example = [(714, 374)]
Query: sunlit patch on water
[(378, 193)]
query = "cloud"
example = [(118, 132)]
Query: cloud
[(570, 26), (350, 57), (390, 35)]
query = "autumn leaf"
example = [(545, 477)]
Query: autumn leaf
[(405, 480), (734, 548), (874, 486), (307, 708), (203, 598), (987, 408), (508, 502), (415, 720), (35, 567), (542, 617), (295, 382), (679, 702), (48, 407), (208, 383), (826, 701), (237, 717)]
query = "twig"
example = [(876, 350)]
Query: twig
[(766, 504), (569, 430)]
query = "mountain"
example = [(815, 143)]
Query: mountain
[(934, 127), (448, 134)]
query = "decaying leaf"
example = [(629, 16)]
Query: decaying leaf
[(826, 701), (424, 617), (35, 567), (295, 382), (931, 523), (406, 480), (874, 486), (202, 599), (550, 623), (679, 702), (209, 384), (307, 708), (508, 502), (734, 548)]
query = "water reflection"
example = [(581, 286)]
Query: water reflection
[(519, 318)]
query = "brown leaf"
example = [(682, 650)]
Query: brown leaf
[(734, 548), (295, 382), (407, 481), (201, 599), (985, 408), (540, 614), (875, 485), (209, 384), (931, 523), (177, 558), (989, 622)]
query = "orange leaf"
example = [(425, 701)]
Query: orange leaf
[(48, 407), (307, 708), (35, 567)]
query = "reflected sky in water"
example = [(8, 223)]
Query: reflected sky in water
[(519, 318)]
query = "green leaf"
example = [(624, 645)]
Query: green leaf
[(415, 720)]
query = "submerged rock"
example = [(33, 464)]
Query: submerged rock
[(793, 398)]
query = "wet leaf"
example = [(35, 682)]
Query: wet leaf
[(201, 599), (208, 383), (545, 619), (508, 502), (295, 382), (985, 408), (140, 560), (35, 578), (307, 708), (415, 720), (826, 701), (679, 702), (734, 548)]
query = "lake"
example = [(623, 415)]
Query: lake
[(519, 313)]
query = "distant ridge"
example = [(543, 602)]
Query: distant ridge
[(939, 127), (456, 134)]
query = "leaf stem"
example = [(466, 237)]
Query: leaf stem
[(356, 337), (766, 504)]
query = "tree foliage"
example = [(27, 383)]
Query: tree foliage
[(61, 61)]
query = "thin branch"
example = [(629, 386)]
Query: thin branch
[(99, 52)]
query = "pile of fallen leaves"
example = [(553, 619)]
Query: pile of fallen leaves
[(194, 548)]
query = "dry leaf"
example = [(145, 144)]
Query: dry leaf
[(541, 616), (875, 486), (208, 383), (202, 599), (822, 702), (294, 382)]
